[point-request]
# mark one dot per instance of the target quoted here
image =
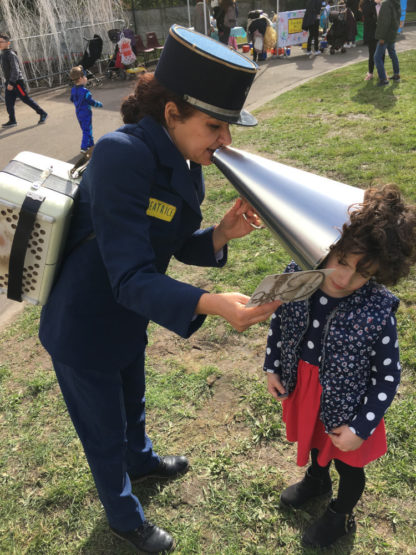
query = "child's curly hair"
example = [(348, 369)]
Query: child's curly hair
[(383, 229)]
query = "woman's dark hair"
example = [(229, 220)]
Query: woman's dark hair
[(149, 99), (383, 230), (5, 37)]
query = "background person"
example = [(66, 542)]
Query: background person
[(14, 85), (226, 17), (369, 10), (388, 24), (335, 359), (310, 23), (83, 101), (139, 205), (351, 21), (262, 35)]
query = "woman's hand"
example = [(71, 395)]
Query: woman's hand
[(344, 439), (275, 387), (234, 224), (232, 307)]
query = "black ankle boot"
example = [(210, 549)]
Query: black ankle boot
[(329, 528), (308, 488)]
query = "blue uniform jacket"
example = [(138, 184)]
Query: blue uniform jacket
[(142, 202)]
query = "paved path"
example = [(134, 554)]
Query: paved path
[(279, 75), (60, 137)]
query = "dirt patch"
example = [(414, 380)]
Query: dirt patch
[(9, 310)]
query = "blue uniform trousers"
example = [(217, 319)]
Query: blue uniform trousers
[(108, 412)]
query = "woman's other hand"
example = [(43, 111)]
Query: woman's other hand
[(237, 222), (275, 387), (344, 439), (232, 307)]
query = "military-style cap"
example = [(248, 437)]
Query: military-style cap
[(208, 74)]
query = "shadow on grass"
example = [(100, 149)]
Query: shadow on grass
[(382, 98), (101, 541)]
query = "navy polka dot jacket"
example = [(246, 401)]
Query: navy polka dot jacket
[(358, 383)]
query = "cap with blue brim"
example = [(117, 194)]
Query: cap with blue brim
[(212, 77)]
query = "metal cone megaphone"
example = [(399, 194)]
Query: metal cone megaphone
[(305, 211)]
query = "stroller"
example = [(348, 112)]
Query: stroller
[(337, 34), (116, 68), (92, 53)]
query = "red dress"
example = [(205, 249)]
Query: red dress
[(301, 413)]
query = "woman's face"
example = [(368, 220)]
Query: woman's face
[(197, 137), (345, 279)]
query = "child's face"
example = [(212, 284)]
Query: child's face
[(82, 80), (345, 279)]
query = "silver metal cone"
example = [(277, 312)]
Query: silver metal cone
[(305, 211)]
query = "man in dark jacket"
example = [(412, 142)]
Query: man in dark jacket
[(386, 32), (14, 84)]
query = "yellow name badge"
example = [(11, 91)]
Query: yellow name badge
[(161, 210)]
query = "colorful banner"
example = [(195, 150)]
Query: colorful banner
[(290, 28)]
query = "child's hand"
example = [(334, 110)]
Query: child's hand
[(344, 439), (275, 387)]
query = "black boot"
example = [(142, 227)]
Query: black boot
[(308, 488), (329, 528)]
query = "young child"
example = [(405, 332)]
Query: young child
[(335, 359), (14, 84), (83, 101)]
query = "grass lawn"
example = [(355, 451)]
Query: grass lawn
[(410, 17), (206, 396)]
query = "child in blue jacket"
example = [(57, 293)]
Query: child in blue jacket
[(334, 359), (83, 101)]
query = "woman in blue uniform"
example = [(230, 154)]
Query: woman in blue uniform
[(139, 205)]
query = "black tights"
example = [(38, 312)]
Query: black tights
[(351, 482)]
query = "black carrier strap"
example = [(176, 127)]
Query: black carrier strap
[(24, 228)]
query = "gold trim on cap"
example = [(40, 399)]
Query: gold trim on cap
[(211, 107), (209, 56)]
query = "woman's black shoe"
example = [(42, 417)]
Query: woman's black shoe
[(329, 528), (308, 488), (147, 539), (169, 467)]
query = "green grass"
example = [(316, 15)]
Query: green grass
[(410, 17), (206, 396)]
